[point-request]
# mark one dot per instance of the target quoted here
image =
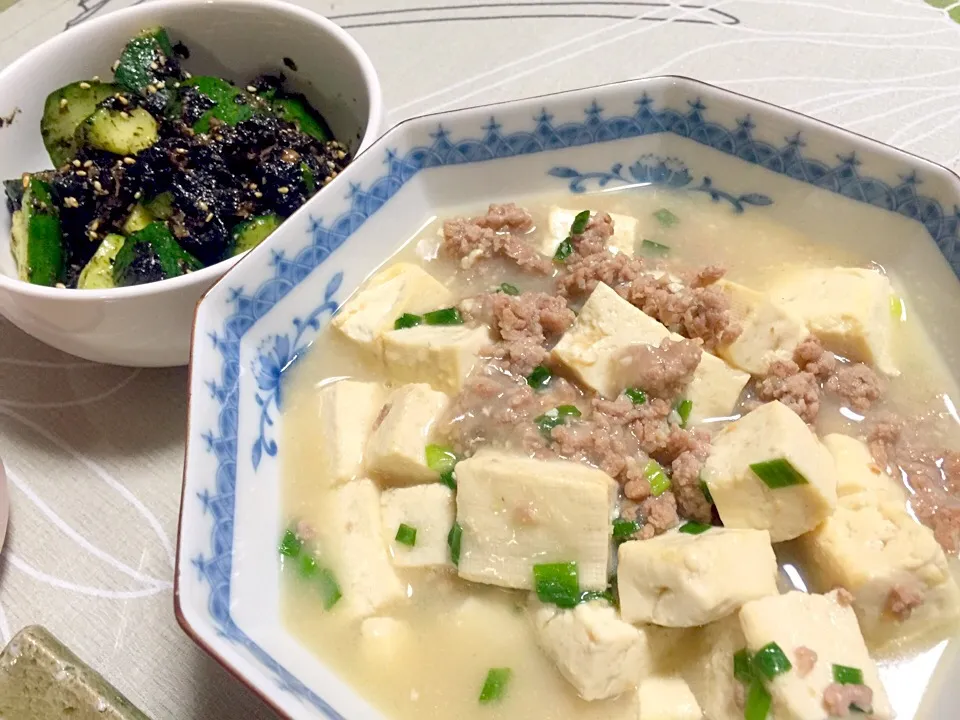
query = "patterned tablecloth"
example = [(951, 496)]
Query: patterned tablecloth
[(94, 454)]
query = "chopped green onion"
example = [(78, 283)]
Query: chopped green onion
[(666, 218), (554, 417), (589, 595), (564, 250), (692, 527), (742, 669), (778, 473), (329, 588), (508, 289), (579, 223), (770, 661), (649, 247), (406, 535), (758, 702), (309, 179), (659, 482), (440, 459), (897, 307), (706, 491), (495, 685), (557, 583), (449, 478), (624, 529), (407, 320), (684, 408), (454, 538), (445, 316), (539, 378), (845, 675), (636, 395), (308, 567), (290, 545)]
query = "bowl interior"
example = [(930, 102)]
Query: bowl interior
[(745, 156), (236, 40)]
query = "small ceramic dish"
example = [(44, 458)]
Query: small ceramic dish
[(746, 155), (149, 325)]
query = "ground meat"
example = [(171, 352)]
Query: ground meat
[(651, 427), (797, 389), (582, 274), (811, 357), (685, 480), (883, 437), (857, 385), (661, 371), (496, 233), (304, 530), (805, 660), (520, 356), (838, 698), (903, 600), (707, 276), (597, 442), (659, 515), (595, 237)]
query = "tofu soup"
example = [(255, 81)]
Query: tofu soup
[(623, 456)]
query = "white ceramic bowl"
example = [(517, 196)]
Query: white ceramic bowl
[(149, 325), (749, 157)]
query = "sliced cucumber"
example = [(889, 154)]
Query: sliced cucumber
[(137, 220), (250, 233), (98, 273), (231, 105), (64, 110), (36, 238), (151, 254), (161, 207), (142, 62), (119, 131), (296, 109)]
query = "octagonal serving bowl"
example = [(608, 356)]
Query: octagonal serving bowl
[(747, 156)]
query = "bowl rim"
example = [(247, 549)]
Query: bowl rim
[(294, 13), (267, 697)]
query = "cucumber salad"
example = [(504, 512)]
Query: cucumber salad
[(160, 172)]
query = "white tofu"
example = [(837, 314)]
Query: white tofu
[(517, 512), (440, 355), (876, 551), (363, 568), (858, 473), (607, 324), (623, 240), (821, 624), (769, 332), (395, 290), (681, 580), (847, 308), (383, 638), (597, 652), (770, 432), (667, 698), (430, 510), (710, 675), (348, 410), (396, 451)]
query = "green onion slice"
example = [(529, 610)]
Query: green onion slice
[(440, 459), (449, 478), (445, 316), (758, 702), (589, 595), (308, 567), (290, 545), (564, 250), (845, 675), (659, 482), (624, 529), (554, 417), (692, 527), (508, 289), (770, 661), (407, 320), (406, 535), (539, 378), (330, 592), (706, 491), (579, 223), (495, 685), (778, 473), (454, 538), (649, 247), (897, 307), (636, 395), (666, 218), (684, 408), (742, 669), (557, 583)]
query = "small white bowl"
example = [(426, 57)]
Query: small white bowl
[(149, 325)]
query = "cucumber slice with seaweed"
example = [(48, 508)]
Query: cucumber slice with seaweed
[(118, 131), (36, 239), (296, 109), (151, 254), (64, 110), (231, 105), (250, 233), (97, 274)]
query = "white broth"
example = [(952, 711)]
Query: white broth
[(450, 632)]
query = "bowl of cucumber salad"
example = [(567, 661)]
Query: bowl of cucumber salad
[(152, 148)]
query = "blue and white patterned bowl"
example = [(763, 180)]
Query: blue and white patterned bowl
[(747, 155)]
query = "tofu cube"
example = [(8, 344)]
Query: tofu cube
[(819, 623), (623, 240), (363, 568), (847, 308), (348, 410), (769, 331), (517, 512), (383, 638), (396, 451), (858, 473), (897, 572), (667, 698), (608, 324), (771, 432), (597, 652), (430, 510), (681, 580), (395, 290), (440, 355), (710, 672)]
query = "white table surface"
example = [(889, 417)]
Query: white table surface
[(94, 454)]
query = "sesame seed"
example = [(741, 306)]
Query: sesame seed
[(92, 235), (71, 202), (176, 85), (283, 190), (129, 161), (137, 195), (97, 186), (94, 225), (209, 217), (85, 86), (327, 179), (124, 114), (341, 154), (187, 75), (161, 85), (218, 138), (25, 179), (154, 66), (88, 163), (95, 78), (162, 59), (180, 151), (116, 64), (60, 286), (202, 205), (64, 102), (81, 173), (76, 163), (258, 194), (152, 89), (252, 186), (122, 100), (251, 88)]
